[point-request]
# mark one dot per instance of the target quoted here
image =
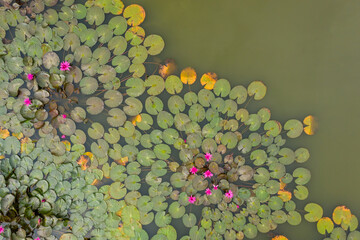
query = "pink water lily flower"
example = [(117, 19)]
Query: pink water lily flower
[(64, 66), (208, 174), (215, 186), (208, 156), (37, 238), (30, 76), (208, 191), (1, 229), (43, 200), (237, 206), (27, 101), (64, 116), (63, 136), (192, 199), (193, 170), (229, 194)]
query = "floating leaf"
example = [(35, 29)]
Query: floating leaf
[(325, 225), (315, 212), (312, 125), (208, 80), (303, 176), (173, 84), (341, 214), (257, 89), (95, 105), (156, 84), (154, 43), (188, 75), (222, 87), (294, 128), (135, 14)]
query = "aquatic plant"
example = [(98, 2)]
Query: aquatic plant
[(86, 108)]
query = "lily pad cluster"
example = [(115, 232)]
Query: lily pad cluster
[(342, 225), (167, 151), (42, 198)]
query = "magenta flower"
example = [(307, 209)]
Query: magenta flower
[(27, 101), (39, 220), (65, 66), (63, 136), (208, 174), (215, 186), (192, 199), (43, 200), (64, 116), (30, 76), (208, 191), (208, 156), (237, 206), (229, 194), (184, 140), (1, 229), (37, 238), (193, 170)]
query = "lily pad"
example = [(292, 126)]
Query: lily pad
[(257, 89), (315, 212)]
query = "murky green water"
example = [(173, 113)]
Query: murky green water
[(308, 54)]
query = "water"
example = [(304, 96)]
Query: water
[(307, 52)]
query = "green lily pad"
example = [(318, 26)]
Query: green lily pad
[(154, 43), (257, 89), (155, 83), (95, 15), (301, 155), (325, 225), (302, 176), (173, 84), (222, 87), (294, 218), (189, 220), (315, 212), (294, 128), (94, 105)]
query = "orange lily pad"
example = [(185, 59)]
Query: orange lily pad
[(279, 237), (135, 14), (285, 195), (208, 80), (341, 214), (168, 68), (4, 133), (311, 125), (188, 75)]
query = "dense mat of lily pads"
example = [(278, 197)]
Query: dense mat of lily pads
[(95, 144)]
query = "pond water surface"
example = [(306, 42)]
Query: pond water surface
[(306, 52)]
